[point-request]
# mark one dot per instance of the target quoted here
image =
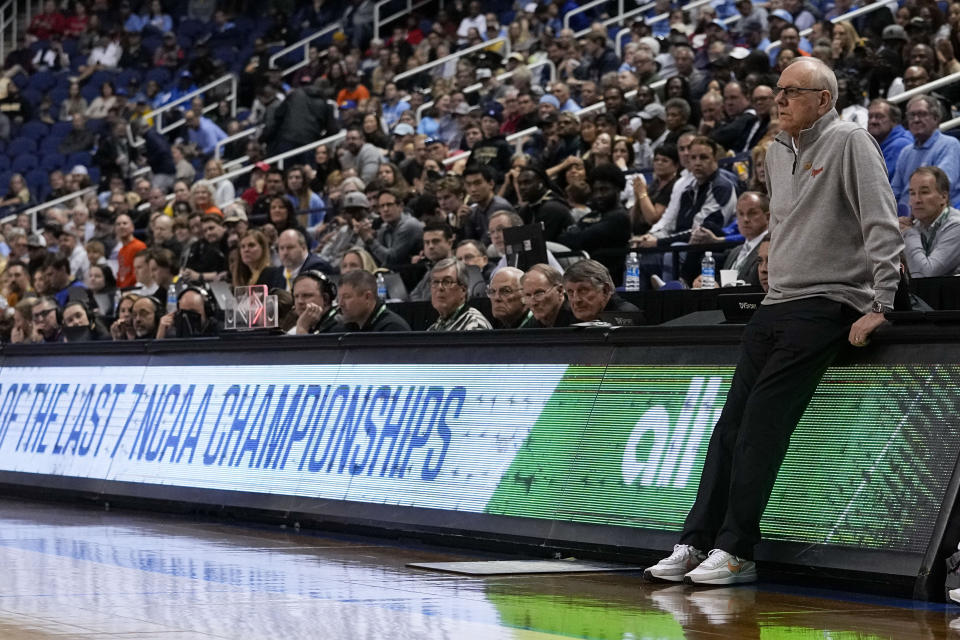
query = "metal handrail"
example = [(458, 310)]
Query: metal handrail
[(33, 211), (950, 124), (303, 42), (849, 15), (925, 88), (378, 22), (455, 56), (473, 88), (235, 162), (280, 157), (218, 148), (581, 9), (617, 19), (157, 114), (10, 6)]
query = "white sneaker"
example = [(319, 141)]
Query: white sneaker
[(954, 595), (683, 559), (721, 567)]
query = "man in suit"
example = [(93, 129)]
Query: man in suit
[(292, 249), (753, 215)]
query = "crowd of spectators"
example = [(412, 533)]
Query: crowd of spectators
[(603, 144)]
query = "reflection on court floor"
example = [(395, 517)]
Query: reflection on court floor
[(72, 573)]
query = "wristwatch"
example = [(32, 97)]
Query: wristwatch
[(879, 307)]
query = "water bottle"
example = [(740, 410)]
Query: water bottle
[(381, 287), (707, 271), (171, 298), (631, 277)]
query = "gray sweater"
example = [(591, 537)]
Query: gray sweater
[(943, 256), (833, 217)]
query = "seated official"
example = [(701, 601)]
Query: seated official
[(449, 283), (360, 308), (591, 291), (80, 324), (47, 319), (506, 301), (146, 317), (313, 296), (194, 317), (542, 293), (753, 216), (931, 234)]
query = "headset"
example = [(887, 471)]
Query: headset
[(327, 286), (210, 305), (158, 311)]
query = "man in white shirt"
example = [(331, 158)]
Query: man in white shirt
[(474, 20)]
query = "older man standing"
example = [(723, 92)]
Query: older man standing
[(834, 258)]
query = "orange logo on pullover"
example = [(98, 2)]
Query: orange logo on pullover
[(816, 172)]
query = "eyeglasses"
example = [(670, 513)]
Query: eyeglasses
[(793, 93), (536, 296), (496, 230), (385, 205), (40, 315), (502, 292), (916, 115), (446, 283)]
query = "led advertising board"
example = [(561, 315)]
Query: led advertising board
[(611, 445)]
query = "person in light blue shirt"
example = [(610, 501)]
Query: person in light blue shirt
[(930, 148), (884, 124), (393, 104), (203, 132)]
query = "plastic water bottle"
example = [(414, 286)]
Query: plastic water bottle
[(631, 276), (708, 271), (171, 298), (381, 287)]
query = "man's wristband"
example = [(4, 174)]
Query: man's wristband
[(879, 307)]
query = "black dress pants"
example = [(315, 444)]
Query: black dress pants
[(786, 349)]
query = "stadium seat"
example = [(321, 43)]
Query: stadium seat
[(42, 81), (77, 61), (94, 174), (4, 163), (71, 47), (21, 146), (192, 29), (90, 91), (24, 163), (21, 80), (34, 129), (60, 129), (52, 162), (124, 77), (50, 144), (38, 181), (159, 75), (226, 55), (80, 157), (32, 96)]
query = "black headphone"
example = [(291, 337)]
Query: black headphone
[(327, 286), (210, 305), (158, 310), (91, 316)]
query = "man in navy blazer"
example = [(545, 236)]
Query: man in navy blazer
[(292, 248)]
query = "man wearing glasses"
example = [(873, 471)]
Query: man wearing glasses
[(448, 295), (399, 237), (46, 321), (833, 271), (930, 148)]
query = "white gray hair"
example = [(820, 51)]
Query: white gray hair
[(823, 76)]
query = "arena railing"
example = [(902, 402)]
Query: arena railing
[(157, 114), (305, 44), (926, 88), (33, 211), (456, 55), (473, 88), (623, 33), (9, 26), (617, 19), (246, 133), (950, 124), (280, 157), (850, 15), (378, 22), (590, 5)]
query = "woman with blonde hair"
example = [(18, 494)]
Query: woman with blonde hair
[(254, 267), (201, 199), (758, 175), (357, 260), (223, 191)]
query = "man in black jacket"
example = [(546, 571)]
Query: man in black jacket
[(493, 151), (607, 226), (542, 204), (303, 116), (360, 308), (590, 290)]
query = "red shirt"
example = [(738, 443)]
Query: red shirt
[(45, 25), (126, 276)]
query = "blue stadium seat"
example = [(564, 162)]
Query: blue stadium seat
[(24, 163), (52, 161), (125, 76), (32, 96), (94, 174), (60, 129), (71, 47), (192, 29), (21, 80), (51, 144), (34, 129), (159, 75), (4, 163), (226, 55), (77, 61), (99, 77), (80, 157), (90, 91), (42, 81), (38, 181), (21, 146)]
